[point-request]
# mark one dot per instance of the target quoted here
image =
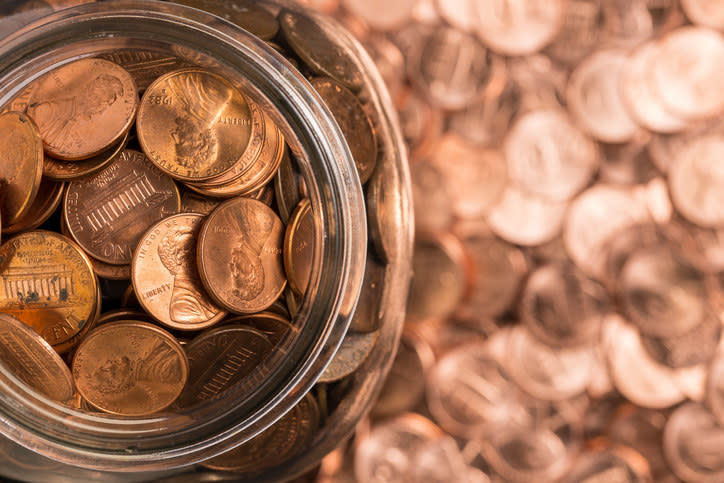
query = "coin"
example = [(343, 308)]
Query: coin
[(165, 276), (286, 187), (310, 40), (83, 107), (380, 14), (350, 355), (370, 309), (193, 124), (108, 212), (692, 444), (248, 15), (21, 164), (144, 66), (248, 235), (433, 200), (354, 123), (47, 201), (386, 210), (48, 283), (20, 102), (696, 346), (220, 359), (583, 28), (69, 171), (32, 360), (274, 326), (130, 368), (620, 465), (299, 242)]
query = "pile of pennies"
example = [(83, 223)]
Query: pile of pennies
[(565, 317), (157, 235)]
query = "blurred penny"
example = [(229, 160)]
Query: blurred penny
[(47, 201), (49, 284), (715, 388), (696, 346), (248, 235), (380, 14), (69, 171), (32, 360), (433, 200), (286, 187), (21, 164), (351, 354), (83, 107), (621, 465), (108, 212), (299, 247), (248, 15), (354, 123), (165, 276), (194, 203), (692, 444), (130, 368), (370, 309)]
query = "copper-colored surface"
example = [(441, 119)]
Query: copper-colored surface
[(299, 247)]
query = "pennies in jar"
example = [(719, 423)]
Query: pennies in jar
[(47, 201), (49, 284), (109, 212), (21, 164), (130, 368), (166, 278), (83, 107), (193, 124), (68, 171), (299, 247), (248, 236)]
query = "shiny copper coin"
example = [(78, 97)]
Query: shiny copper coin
[(166, 278), (49, 284), (32, 360), (273, 325), (50, 194), (354, 123), (83, 108), (351, 354), (311, 42), (109, 212), (111, 272), (240, 256), (70, 171), (220, 359), (130, 368), (21, 152), (693, 444), (193, 125), (299, 247)]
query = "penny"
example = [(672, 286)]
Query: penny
[(518, 27), (370, 309), (248, 15), (165, 276), (627, 242), (457, 13), (696, 346), (118, 315), (108, 212), (21, 164), (83, 108), (47, 201), (219, 360), (620, 465), (286, 187), (582, 29), (562, 307), (49, 284), (69, 171), (433, 200), (421, 123), (143, 65), (704, 12), (310, 40), (130, 368), (274, 446), (274, 326), (628, 163), (193, 203), (299, 242), (354, 123), (193, 124), (595, 100), (692, 444), (389, 62), (248, 235), (351, 354), (31, 359), (386, 209), (549, 156), (20, 102)]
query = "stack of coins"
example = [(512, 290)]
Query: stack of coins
[(566, 310), (159, 239)]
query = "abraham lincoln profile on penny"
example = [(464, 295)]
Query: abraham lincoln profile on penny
[(246, 267)]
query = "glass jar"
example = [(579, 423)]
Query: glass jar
[(41, 439)]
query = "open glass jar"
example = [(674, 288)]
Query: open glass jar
[(42, 439)]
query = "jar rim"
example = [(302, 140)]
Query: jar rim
[(103, 443)]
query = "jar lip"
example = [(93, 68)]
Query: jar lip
[(77, 438)]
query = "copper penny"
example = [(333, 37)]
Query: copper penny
[(193, 125), (21, 152), (370, 309), (130, 368), (194, 203), (83, 108), (246, 236), (73, 170), (165, 276), (386, 209), (50, 194), (144, 66), (354, 123), (247, 14), (221, 358), (286, 187), (693, 444), (32, 360), (49, 284), (275, 326), (109, 212), (299, 247)]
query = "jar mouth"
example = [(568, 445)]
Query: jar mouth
[(156, 442)]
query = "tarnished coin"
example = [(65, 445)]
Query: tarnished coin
[(370, 309), (165, 276), (309, 39), (246, 236), (193, 124), (143, 65), (386, 209), (32, 360), (274, 326), (275, 445), (692, 444), (286, 187), (49, 284), (73, 170), (84, 107), (351, 354), (50, 194), (354, 123), (21, 164), (219, 359), (380, 14), (433, 200), (299, 247), (108, 212), (130, 368), (247, 14)]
